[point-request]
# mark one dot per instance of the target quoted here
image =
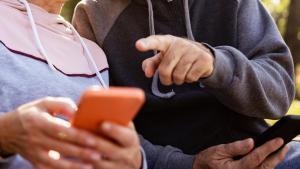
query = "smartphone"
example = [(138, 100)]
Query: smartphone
[(286, 128), (118, 105)]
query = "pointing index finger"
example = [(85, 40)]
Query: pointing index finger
[(156, 42)]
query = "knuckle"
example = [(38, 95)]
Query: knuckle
[(79, 136), (163, 72), (157, 39), (213, 151), (55, 128), (178, 78), (83, 152), (32, 141), (257, 158), (31, 119), (190, 77), (264, 166), (206, 59), (169, 36), (185, 44), (226, 147), (66, 100), (221, 147), (47, 99), (188, 60), (129, 159)]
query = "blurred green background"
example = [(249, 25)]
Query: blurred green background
[(286, 14)]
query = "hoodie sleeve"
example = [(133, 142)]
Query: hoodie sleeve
[(14, 162), (159, 157), (256, 78)]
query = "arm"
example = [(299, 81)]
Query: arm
[(32, 131), (256, 78), (159, 157), (217, 157), (6, 159)]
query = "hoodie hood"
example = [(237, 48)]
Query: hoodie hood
[(59, 40)]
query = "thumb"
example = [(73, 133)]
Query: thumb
[(238, 148)]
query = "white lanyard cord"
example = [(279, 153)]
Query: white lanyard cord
[(36, 35), (89, 57), (43, 51)]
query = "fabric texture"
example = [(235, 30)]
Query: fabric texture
[(24, 79), (292, 160), (20, 83), (54, 31), (253, 77)]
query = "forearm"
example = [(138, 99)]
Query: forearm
[(159, 157), (256, 76), (4, 119), (6, 157), (260, 87)]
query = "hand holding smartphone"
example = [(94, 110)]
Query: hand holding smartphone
[(117, 105), (286, 128)]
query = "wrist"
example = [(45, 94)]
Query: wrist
[(211, 60), (6, 121)]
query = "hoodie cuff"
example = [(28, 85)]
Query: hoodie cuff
[(144, 162), (223, 69), (181, 161), (7, 159), (173, 158)]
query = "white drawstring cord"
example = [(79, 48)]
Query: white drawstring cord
[(36, 35), (154, 86), (43, 52), (155, 80), (89, 56)]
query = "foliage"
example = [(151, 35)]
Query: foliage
[(67, 11), (279, 11)]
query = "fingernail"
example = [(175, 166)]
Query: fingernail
[(74, 107), (279, 141), (106, 126), (250, 141), (95, 156), (143, 42), (87, 167)]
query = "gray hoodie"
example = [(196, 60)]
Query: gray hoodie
[(253, 77)]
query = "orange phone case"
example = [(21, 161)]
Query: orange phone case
[(118, 105)]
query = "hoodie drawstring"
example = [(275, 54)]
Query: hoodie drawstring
[(89, 57), (188, 24), (154, 87), (43, 51), (36, 35)]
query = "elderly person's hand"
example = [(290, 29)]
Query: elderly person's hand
[(33, 132), (122, 150), (178, 61), (222, 156)]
